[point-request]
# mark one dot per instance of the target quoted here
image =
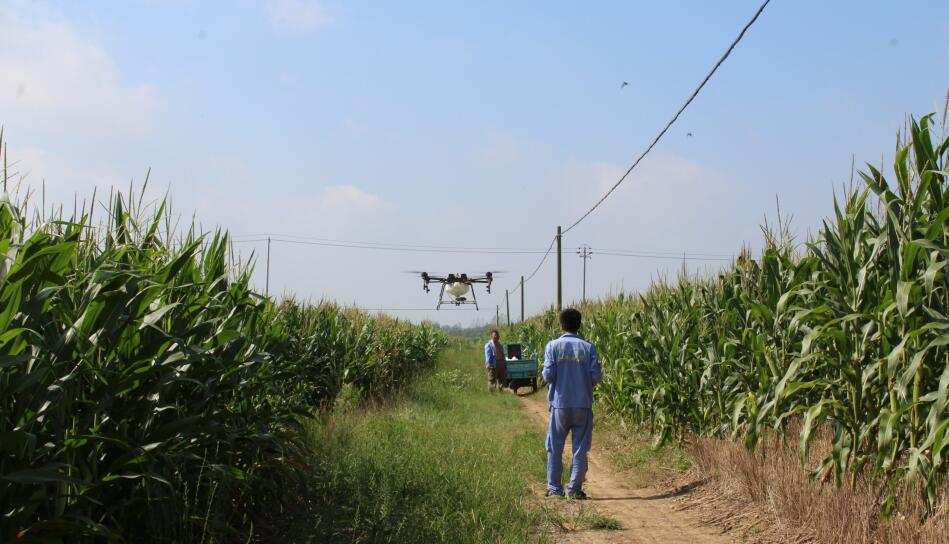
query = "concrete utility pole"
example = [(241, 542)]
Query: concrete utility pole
[(507, 302), (585, 253), (522, 298), (497, 317), (559, 274), (267, 287)]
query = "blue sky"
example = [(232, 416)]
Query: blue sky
[(477, 124)]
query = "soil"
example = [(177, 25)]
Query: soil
[(646, 514)]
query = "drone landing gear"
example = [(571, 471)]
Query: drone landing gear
[(441, 295), (474, 299), (457, 301)]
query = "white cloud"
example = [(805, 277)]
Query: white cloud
[(663, 187), (347, 200), (55, 79), (330, 211), (338, 211), (64, 180), (668, 204), (296, 15)]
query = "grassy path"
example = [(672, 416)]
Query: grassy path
[(632, 510), (450, 462), (447, 462)]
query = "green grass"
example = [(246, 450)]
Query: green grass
[(596, 520), (632, 450), (447, 462), (566, 516)]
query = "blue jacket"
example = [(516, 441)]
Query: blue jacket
[(490, 361), (571, 367)]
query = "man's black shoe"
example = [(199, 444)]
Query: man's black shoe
[(577, 495)]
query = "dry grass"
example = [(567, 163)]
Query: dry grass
[(766, 496), (631, 450)]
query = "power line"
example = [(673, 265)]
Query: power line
[(652, 254), (681, 257), (676, 117), (677, 254), (541, 263), (544, 258), (263, 236), (306, 240), (399, 248)]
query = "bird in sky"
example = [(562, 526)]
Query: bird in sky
[(689, 134), (625, 83)]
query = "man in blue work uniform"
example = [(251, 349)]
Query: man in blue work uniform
[(494, 359), (572, 370)]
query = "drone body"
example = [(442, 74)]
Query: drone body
[(457, 286)]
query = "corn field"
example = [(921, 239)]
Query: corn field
[(147, 393), (847, 332)]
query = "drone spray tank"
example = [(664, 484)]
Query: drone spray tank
[(457, 289)]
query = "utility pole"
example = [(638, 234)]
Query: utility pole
[(267, 287), (497, 317), (585, 253), (522, 298), (559, 274), (507, 301)]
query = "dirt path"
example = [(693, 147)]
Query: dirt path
[(646, 514)]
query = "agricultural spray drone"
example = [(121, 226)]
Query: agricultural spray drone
[(457, 286)]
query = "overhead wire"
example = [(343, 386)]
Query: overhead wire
[(499, 251), (541, 263), (676, 254), (511, 251), (684, 256), (658, 137), (264, 236), (658, 254), (674, 118), (640, 255)]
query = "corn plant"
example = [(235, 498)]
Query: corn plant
[(147, 393), (848, 332)]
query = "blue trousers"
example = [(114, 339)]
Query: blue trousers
[(579, 423)]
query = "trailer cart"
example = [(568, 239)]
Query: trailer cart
[(520, 371)]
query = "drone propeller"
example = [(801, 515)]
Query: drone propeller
[(494, 273)]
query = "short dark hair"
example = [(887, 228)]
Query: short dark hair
[(570, 320), (495, 331)]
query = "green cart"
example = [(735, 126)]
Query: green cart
[(520, 371)]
